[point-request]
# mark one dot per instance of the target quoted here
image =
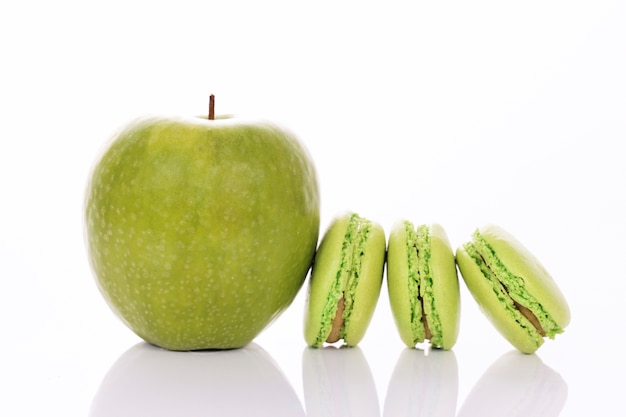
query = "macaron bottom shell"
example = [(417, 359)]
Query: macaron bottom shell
[(497, 306)]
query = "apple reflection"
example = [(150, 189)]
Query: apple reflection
[(423, 383), (150, 381), (338, 382), (517, 385)]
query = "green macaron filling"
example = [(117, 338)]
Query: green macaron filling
[(425, 323), (346, 278), (511, 291)]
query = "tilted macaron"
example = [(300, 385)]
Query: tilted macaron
[(423, 285), (512, 288), (346, 280)]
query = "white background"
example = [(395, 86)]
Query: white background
[(456, 112)]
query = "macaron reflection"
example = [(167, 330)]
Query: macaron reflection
[(149, 381), (338, 382), (517, 385), (423, 384)]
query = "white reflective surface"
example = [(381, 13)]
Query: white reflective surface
[(148, 381), (423, 384), (517, 385), (455, 112), (338, 382)]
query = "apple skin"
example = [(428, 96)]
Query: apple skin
[(201, 232)]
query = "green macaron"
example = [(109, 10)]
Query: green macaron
[(346, 280), (423, 285), (512, 288)]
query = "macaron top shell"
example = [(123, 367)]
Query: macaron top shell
[(324, 289), (445, 287), (423, 285), (348, 266), (403, 288), (366, 291), (512, 288)]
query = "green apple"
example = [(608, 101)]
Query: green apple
[(200, 232)]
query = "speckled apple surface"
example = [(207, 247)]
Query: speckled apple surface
[(201, 232), (349, 264), (423, 285), (502, 274)]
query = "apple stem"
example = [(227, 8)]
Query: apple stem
[(212, 107)]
